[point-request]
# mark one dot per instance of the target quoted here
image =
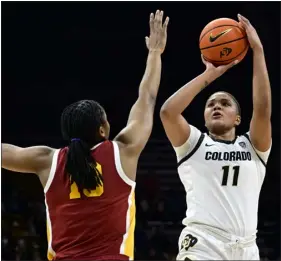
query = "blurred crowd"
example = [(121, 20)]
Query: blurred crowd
[(159, 216)]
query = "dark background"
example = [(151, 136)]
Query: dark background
[(55, 53)]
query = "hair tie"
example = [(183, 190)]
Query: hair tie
[(75, 139)]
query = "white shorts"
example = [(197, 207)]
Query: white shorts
[(197, 243)]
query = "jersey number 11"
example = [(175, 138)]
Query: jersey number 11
[(225, 175)]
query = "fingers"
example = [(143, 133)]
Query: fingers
[(208, 64), (151, 22), (228, 66), (233, 63), (203, 60), (147, 42), (155, 21), (165, 25), (243, 18), (244, 21), (159, 17), (241, 25)]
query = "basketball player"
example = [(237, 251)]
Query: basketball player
[(222, 173), (89, 185)]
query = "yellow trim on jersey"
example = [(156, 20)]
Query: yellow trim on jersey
[(129, 242), (127, 246), (50, 255), (50, 252)]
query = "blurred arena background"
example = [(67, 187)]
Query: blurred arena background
[(54, 53)]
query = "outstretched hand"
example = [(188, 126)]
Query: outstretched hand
[(220, 70), (251, 32), (158, 32)]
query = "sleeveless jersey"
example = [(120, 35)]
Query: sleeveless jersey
[(222, 181), (91, 225)]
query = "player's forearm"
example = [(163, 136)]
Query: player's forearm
[(151, 79), (178, 102), (261, 85)]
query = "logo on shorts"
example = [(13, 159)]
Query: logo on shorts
[(189, 241), (242, 144)]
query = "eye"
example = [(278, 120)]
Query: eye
[(210, 104), (226, 103)]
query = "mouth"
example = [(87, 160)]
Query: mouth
[(216, 115)]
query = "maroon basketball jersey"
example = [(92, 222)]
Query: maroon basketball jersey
[(91, 225)]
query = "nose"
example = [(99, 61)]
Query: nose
[(217, 107)]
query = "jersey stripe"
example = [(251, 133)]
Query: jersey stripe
[(127, 246), (118, 166), (248, 138), (193, 151), (52, 171), (50, 252)]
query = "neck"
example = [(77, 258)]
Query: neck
[(102, 139), (229, 135)]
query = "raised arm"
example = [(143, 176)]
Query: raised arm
[(139, 126), (260, 127), (26, 160), (176, 127)]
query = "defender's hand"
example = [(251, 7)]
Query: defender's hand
[(158, 32), (217, 71), (251, 32)]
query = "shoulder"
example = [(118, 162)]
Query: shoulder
[(191, 144), (41, 156), (246, 139), (126, 162)]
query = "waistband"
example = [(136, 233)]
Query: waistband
[(224, 236)]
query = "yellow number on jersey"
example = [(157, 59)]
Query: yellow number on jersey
[(74, 192)]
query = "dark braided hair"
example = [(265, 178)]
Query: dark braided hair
[(80, 123)]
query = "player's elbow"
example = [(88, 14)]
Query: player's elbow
[(165, 112)]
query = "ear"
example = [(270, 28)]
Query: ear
[(238, 120), (102, 131)]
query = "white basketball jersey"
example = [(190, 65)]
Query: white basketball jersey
[(222, 181)]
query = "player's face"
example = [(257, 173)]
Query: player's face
[(221, 113)]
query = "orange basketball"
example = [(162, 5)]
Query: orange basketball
[(223, 41)]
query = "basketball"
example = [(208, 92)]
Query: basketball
[(223, 41)]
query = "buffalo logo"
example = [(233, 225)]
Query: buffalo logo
[(242, 144), (225, 52), (189, 241)]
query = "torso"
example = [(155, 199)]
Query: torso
[(223, 183), (91, 225)]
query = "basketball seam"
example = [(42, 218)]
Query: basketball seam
[(217, 27), (223, 43), (228, 59)]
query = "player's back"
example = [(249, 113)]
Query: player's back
[(91, 225)]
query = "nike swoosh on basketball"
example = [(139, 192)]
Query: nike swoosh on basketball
[(214, 38), (209, 145)]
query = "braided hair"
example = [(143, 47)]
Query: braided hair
[(80, 123)]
